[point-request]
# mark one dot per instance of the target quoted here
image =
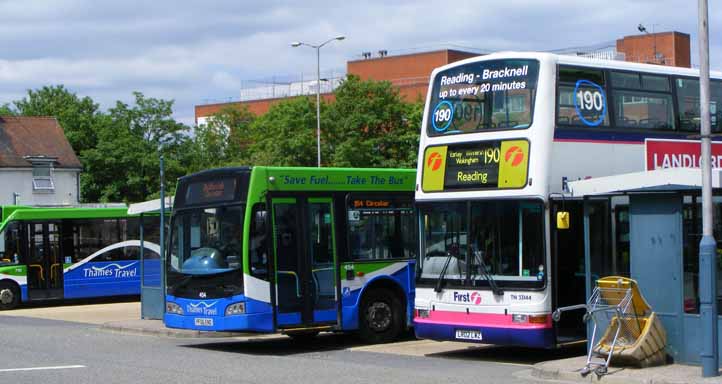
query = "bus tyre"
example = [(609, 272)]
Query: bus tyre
[(9, 295), (381, 316)]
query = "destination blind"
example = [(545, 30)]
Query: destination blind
[(211, 191), (497, 164)]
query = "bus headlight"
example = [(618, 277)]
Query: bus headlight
[(519, 318), (236, 309), (173, 308), (422, 313)]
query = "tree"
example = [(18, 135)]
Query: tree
[(78, 116), (224, 139), (124, 165), (371, 126), (7, 110), (286, 134)]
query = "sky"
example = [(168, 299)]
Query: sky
[(206, 51)]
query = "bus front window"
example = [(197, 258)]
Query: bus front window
[(10, 245), (207, 241), (466, 244)]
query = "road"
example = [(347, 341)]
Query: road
[(71, 352)]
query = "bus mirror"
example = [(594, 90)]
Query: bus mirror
[(562, 220)]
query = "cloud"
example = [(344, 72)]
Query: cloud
[(196, 51)]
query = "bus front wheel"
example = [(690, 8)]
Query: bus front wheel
[(9, 295), (381, 316)]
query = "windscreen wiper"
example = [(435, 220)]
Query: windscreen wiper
[(492, 283), (440, 281)]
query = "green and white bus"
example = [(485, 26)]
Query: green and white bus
[(295, 250), (73, 252)]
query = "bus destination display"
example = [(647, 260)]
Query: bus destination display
[(497, 164), (211, 191)]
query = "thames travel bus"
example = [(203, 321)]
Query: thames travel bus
[(295, 250), (70, 253), (502, 135)]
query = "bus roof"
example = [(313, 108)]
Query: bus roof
[(15, 213), (582, 61)]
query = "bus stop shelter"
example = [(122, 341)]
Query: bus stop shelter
[(152, 291), (662, 235)]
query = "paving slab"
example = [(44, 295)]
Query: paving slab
[(567, 370), (87, 313), (419, 347)]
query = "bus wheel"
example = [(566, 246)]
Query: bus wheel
[(380, 317), (303, 336), (9, 295)]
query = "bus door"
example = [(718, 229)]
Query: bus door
[(44, 262), (568, 273), (305, 262)]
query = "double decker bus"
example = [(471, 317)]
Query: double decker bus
[(502, 135), (293, 250), (73, 252)]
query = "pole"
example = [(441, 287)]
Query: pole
[(162, 230), (707, 246), (318, 104)]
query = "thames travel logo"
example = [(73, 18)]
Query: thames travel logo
[(202, 308), (112, 270)]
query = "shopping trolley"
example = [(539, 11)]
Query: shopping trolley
[(633, 335)]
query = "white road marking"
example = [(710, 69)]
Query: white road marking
[(42, 368)]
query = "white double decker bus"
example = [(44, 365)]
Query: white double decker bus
[(502, 134)]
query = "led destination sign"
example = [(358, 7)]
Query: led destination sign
[(498, 164), (211, 191)]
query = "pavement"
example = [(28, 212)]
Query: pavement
[(124, 317)]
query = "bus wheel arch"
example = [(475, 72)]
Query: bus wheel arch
[(382, 311), (9, 294)]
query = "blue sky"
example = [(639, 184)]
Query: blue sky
[(194, 52)]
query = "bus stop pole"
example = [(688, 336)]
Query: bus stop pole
[(707, 246), (162, 231), (142, 266)]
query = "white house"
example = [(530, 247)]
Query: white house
[(37, 164)]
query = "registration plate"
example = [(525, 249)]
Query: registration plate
[(204, 322), (468, 334)]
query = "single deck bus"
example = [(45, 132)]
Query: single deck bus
[(502, 135), (295, 250), (73, 252)]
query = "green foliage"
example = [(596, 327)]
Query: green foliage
[(124, 166), (223, 140), (371, 126), (7, 110), (367, 125), (286, 134), (78, 116)]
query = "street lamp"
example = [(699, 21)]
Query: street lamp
[(317, 47)]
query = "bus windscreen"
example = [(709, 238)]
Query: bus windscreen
[(482, 96)]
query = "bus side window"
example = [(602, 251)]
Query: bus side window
[(258, 247), (385, 231)]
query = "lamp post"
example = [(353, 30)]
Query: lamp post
[(317, 47), (707, 246)]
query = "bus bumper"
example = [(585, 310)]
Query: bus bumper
[(259, 322), (533, 337), (210, 315)]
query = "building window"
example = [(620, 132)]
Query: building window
[(43, 177)]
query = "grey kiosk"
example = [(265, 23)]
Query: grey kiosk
[(651, 224)]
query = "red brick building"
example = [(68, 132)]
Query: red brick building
[(410, 72)]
